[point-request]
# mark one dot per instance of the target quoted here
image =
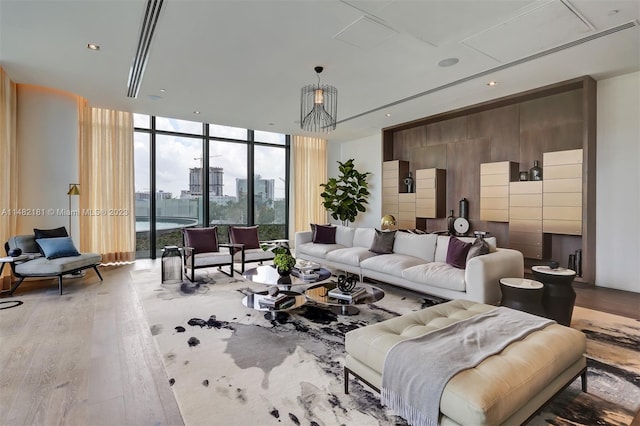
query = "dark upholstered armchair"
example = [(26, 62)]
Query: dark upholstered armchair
[(247, 238), (202, 250)]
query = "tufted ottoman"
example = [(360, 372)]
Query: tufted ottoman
[(507, 388)]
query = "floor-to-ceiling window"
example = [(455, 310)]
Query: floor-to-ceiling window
[(246, 175)]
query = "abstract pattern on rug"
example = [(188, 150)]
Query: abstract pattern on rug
[(228, 364)]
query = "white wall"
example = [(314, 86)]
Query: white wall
[(618, 183), (47, 138), (617, 187), (367, 155)]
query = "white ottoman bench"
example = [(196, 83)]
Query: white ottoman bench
[(507, 388)]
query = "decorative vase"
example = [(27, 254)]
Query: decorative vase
[(535, 173), (524, 176), (578, 268), (409, 182), (450, 221), (464, 208)]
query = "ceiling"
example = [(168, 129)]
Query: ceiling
[(243, 63)]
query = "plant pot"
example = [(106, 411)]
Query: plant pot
[(284, 272)]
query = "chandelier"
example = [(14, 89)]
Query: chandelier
[(318, 106)]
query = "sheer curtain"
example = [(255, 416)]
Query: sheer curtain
[(107, 219), (309, 171), (8, 166)]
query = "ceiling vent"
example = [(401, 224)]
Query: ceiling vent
[(136, 72)]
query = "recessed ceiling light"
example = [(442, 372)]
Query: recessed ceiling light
[(270, 124), (196, 112), (492, 83), (92, 46), (163, 90), (387, 115), (448, 62), (613, 12)]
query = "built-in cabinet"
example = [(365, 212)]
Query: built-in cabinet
[(431, 190), (525, 219), (393, 172), (494, 190), (407, 211), (562, 192)]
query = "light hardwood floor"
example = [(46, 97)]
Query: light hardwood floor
[(88, 358), (84, 358)]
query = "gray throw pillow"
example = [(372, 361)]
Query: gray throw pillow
[(478, 248), (383, 242)]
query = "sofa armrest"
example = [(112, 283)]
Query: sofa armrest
[(302, 237), (483, 274)]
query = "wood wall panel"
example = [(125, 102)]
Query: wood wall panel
[(517, 128)]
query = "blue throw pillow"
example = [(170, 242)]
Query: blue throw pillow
[(56, 247)]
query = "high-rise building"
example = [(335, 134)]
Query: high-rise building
[(216, 181), (263, 189)]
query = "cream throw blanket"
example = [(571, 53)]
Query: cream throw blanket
[(417, 370)]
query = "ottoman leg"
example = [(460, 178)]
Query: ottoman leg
[(346, 381), (583, 380)]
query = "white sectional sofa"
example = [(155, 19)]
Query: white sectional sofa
[(418, 262)]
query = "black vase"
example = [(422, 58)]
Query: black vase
[(450, 221), (464, 208), (578, 267), (535, 173), (284, 272)]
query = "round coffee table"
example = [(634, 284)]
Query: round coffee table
[(319, 293), (268, 275), (294, 300), (559, 296), (522, 294)]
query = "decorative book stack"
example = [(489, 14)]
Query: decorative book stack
[(281, 301), (349, 296)]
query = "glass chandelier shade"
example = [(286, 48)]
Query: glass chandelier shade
[(318, 106)]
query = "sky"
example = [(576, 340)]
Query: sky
[(176, 155)]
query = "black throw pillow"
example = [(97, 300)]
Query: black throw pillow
[(383, 242)]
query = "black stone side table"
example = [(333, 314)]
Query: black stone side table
[(522, 294), (559, 296)]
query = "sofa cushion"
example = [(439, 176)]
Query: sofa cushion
[(323, 234), (418, 245), (202, 240), (437, 274), (392, 264), (53, 248), (383, 242), (247, 235), (344, 235), (251, 255), (443, 244), (211, 259), (479, 248), (318, 250), (457, 253), (349, 255), (363, 237)]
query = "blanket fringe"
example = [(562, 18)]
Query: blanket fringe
[(411, 414)]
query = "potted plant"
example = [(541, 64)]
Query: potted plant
[(284, 262), (345, 196)]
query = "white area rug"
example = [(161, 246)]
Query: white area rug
[(228, 365)]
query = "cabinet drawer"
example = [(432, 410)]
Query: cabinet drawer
[(528, 238), (407, 207), (390, 192), (562, 213), (562, 185), (532, 187), (559, 199), (523, 225), (425, 174), (494, 191), (525, 200), (391, 165), (500, 167), (407, 215), (407, 197), (494, 204), (407, 224), (533, 213), (425, 184), (530, 252), (425, 194), (494, 215), (563, 171), (390, 183), (494, 180), (425, 203), (568, 227), (572, 156)]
